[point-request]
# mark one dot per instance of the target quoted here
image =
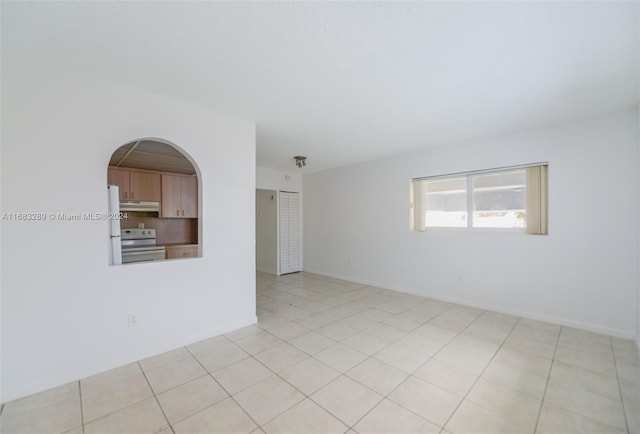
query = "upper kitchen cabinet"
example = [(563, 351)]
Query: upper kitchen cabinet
[(120, 178), (136, 185), (179, 196), (145, 186)]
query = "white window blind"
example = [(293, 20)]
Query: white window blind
[(537, 201)]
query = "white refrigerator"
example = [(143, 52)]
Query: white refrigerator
[(115, 247)]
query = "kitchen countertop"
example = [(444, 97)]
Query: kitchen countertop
[(176, 244)]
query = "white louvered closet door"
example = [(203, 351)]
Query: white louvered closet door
[(290, 246)]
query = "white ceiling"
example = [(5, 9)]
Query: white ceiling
[(346, 82)]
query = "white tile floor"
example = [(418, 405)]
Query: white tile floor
[(333, 356)]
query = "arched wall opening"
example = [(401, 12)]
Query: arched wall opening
[(155, 211)]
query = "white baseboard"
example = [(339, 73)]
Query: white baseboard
[(624, 334), (55, 381)]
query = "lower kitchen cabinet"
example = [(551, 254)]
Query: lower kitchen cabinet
[(184, 251)]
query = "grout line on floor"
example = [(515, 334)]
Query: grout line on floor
[(329, 411), (479, 376), (210, 374), (341, 374), (615, 365), (276, 375), (81, 406), (229, 395), (156, 398), (411, 374), (546, 385)]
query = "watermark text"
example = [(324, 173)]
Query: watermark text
[(30, 216)]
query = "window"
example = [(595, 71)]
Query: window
[(499, 199), (509, 198)]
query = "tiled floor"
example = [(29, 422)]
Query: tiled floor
[(332, 356)]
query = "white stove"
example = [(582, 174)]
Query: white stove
[(140, 245)]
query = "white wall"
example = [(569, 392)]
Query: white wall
[(267, 231), (275, 180), (64, 311), (583, 273)]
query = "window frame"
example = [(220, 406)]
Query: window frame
[(469, 176)]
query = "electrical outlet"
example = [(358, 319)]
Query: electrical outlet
[(133, 320)]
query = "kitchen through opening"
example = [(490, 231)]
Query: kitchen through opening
[(153, 188)]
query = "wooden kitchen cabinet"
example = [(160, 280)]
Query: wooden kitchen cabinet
[(136, 185), (189, 196), (120, 178), (179, 196), (145, 186), (186, 251)]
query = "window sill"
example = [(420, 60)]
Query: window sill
[(517, 231)]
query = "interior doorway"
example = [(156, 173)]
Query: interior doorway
[(267, 231), (278, 232)]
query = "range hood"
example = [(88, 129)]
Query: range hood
[(139, 206)]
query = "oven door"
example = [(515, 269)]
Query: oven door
[(143, 254)]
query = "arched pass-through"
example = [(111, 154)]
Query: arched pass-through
[(155, 211)]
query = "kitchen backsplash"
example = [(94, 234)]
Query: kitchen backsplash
[(168, 231)]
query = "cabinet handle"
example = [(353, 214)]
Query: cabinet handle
[(178, 212), (182, 212)]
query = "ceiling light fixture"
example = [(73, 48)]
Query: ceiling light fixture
[(300, 161)]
